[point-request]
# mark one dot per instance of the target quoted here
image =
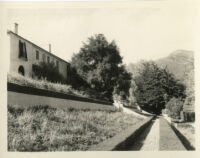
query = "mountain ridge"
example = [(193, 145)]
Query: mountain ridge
[(179, 62)]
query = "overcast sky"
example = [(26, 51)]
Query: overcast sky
[(141, 31)]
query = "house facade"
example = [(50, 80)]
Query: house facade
[(24, 54)]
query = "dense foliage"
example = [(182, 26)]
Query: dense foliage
[(155, 87), (174, 107), (75, 80), (189, 81), (99, 63), (48, 71)]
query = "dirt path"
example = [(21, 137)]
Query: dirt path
[(149, 139)]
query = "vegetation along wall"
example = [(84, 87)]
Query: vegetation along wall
[(29, 96)]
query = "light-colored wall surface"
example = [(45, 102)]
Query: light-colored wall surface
[(21, 99), (31, 49)]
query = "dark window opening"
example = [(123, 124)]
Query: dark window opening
[(57, 64), (48, 59), (21, 70), (44, 57), (22, 50), (53, 62), (37, 55)]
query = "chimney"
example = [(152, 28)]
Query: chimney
[(50, 48), (16, 28)]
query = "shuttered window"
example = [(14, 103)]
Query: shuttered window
[(48, 59), (57, 64), (22, 50), (44, 57), (37, 55)]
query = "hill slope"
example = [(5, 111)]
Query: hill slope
[(178, 62)]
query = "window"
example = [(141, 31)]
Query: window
[(57, 64), (44, 57), (21, 70), (22, 50), (37, 55), (53, 61), (48, 59)]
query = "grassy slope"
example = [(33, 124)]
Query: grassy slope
[(42, 128), (56, 87), (188, 131), (42, 84)]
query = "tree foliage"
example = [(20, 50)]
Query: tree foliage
[(155, 87), (174, 107), (48, 71), (75, 80), (99, 63), (189, 81), (123, 84)]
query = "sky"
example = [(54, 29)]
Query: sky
[(142, 30)]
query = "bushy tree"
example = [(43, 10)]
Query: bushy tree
[(99, 63), (123, 84), (75, 80), (132, 96), (155, 87), (189, 81), (174, 107), (47, 71)]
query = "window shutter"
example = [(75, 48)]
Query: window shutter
[(20, 49), (25, 53)]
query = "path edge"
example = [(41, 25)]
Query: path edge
[(124, 139)]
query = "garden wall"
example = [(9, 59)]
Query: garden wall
[(124, 139), (29, 96), (168, 139)]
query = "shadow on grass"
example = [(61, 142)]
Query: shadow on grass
[(139, 142), (183, 139)]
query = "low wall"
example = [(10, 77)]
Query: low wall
[(122, 141), (168, 139), (29, 96), (182, 138)]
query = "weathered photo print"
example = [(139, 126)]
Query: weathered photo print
[(94, 78)]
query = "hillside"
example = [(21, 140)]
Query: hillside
[(178, 62)]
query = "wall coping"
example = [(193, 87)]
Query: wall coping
[(122, 141)]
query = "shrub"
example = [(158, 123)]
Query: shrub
[(75, 79), (48, 71), (174, 107)]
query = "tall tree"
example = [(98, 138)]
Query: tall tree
[(155, 87), (123, 84), (100, 64)]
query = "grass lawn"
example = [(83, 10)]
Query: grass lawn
[(188, 131), (44, 84), (43, 128)]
